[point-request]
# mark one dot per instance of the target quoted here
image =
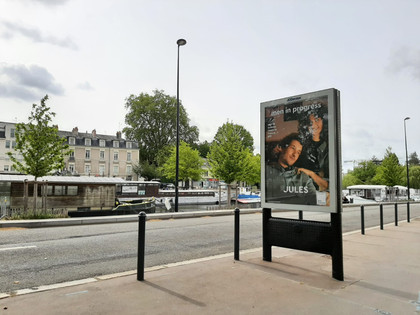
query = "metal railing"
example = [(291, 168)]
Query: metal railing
[(381, 214)]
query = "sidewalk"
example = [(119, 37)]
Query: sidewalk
[(381, 270)]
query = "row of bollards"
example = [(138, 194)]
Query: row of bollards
[(381, 216)]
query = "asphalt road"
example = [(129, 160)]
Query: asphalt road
[(33, 257)]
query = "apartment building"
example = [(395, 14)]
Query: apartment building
[(93, 154), (7, 144)]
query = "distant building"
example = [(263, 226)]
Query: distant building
[(7, 144), (93, 154)]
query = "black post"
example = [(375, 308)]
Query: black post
[(141, 242), (266, 244), (381, 215), (362, 218), (300, 215), (179, 42), (337, 246), (408, 212), (236, 246), (396, 214)]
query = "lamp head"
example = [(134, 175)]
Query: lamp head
[(181, 42), (406, 118)]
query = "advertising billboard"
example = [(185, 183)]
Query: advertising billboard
[(301, 152)]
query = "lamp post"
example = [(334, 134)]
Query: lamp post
[(406, 159), (179, 42)]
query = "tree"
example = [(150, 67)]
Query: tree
[(190, 164), (202, 147), (390, 172), (252, 172), (365, 171), (42, 149), (414, 172), (151, 121), (350, 180), (229, 155), (146, 170), (413, 159)]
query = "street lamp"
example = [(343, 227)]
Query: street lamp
[(406, 159), (179, 42)]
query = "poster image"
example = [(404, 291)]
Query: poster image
[(300, 152)]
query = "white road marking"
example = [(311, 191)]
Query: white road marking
[(17, 247)]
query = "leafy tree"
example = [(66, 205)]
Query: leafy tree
[(365, 171), (350, 180), (229, 155), (151, 121), (390, 172), (414, 172), (252, 173), (39, 144), (202, 147), (146, 170), (413, 159), (190, 164)]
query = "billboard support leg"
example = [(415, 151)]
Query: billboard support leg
[(337, 247)]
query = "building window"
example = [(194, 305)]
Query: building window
[(7, 144), (102, 155), (59, 190), (115, 155), (6, 168), (102, 143), (128, 156), (116, 144), (71, 168), (129, 145), (87, 154), (101, 169), (87, 169), (116, 168), (12, 132), (72, 190), (72, 141), (129, 169), (87, 142), (13, 144)]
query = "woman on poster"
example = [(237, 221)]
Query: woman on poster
[(313, 128)]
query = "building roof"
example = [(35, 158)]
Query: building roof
[(62, 179)]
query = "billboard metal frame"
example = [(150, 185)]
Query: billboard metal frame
[(280, 118)]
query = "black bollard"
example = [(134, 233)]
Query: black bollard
[(408, 212), (362, 218), (300, 215), (141, 242), (396, 214), (236, 245), (381, 215)]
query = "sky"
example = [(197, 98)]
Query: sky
[(90, 55)]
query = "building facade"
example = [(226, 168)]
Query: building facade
[(92, 154), (7, 144)]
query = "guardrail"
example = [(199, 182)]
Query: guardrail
[(381, 213)]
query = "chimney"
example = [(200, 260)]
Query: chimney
[(119, 134), (75, 131), (94, 133)]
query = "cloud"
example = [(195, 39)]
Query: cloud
[(85, 86), (27, 83), (35, 35), (49, 2), (405, 59)]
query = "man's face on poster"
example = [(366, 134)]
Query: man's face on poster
[(290, 155)]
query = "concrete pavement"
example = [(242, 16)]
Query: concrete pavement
[(381, 270)]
